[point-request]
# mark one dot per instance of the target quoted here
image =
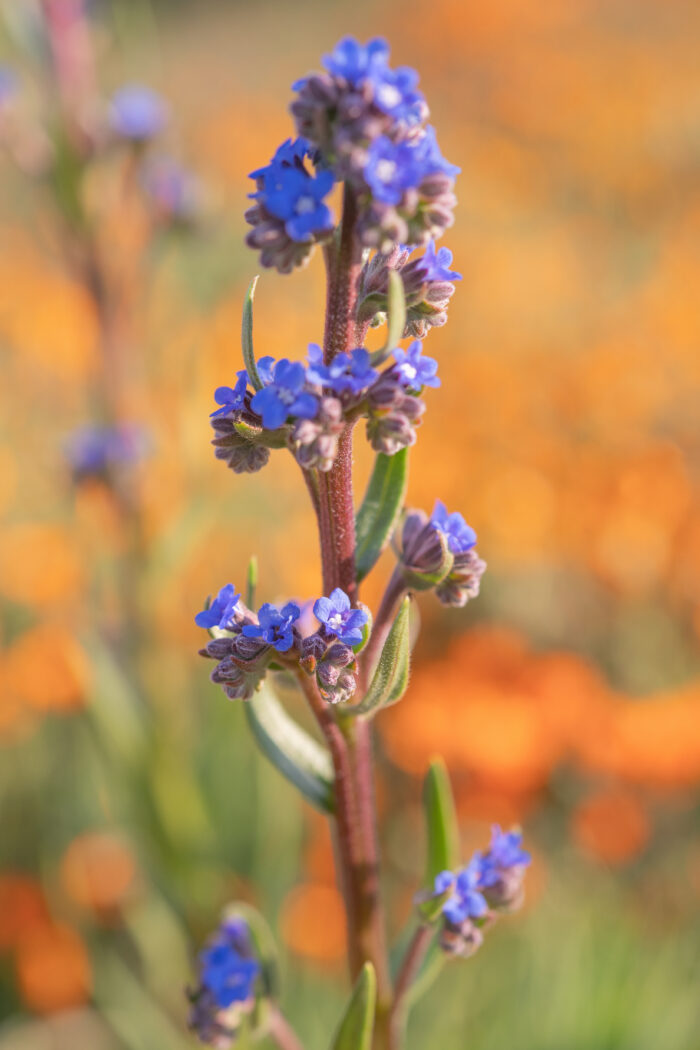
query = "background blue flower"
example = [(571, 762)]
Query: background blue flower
[(137, 112)]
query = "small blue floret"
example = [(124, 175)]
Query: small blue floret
[(275, 625), (284, 397), (339, 618), (221, 611), (414, 370), (460, 536)]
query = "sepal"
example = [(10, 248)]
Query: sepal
[(390, 679)]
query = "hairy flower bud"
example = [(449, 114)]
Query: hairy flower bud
[(425, 557), (461, 940), (393, 414), (314, 442), (241, 455), (463, 581)]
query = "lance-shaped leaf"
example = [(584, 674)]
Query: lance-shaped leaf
[(396, 317), (247, 337), (357, 1025), (377, 517), (442, 834), (298, 757), (264, 944), (390, 679)]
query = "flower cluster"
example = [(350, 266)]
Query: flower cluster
[(290, 215), (228, 972), (439, 552), (97, 451), (428, 286), (368, 123), (137, 114), (491, 882)]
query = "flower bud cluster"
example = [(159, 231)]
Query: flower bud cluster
[(490, 884), (368, 122), (228, 972), (330, 652), (428, 285), (439, 552)]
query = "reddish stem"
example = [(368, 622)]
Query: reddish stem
[(410, 967)]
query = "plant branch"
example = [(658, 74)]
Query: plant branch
[(282, 1032), (395, 590), (408, 971)]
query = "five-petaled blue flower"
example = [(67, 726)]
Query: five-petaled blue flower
[(347, 373), (414, 370), (292, 152), (137, 113), (296, 197), (221, 611), (437, 262), (460, 536), (356, 62), (504, 853), (231, 398), (93, 450), (465, 900), (275, 625), (396, 95), (284, 396), (339, 618), (227, 974), (394, 167)]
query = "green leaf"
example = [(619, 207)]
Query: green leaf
[(252, 582), (264, 944), (390, 679), (357, 1025), (396, 317), (247, 337), (443, 832), (297, 756), (377, 517)]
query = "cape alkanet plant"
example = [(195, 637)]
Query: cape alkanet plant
[(363, 124)]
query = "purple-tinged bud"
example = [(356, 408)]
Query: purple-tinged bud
[(242, 456), (463, 581), (337, 686), (339, 655), (462, 940), (314, 646), (218, 648), (314, 442), (269, 237), (503, 870), (423, 552), (393, 414), (427, 283)]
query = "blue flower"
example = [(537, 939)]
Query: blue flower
[(394, 167), (226, 974), (347, 373), (504, 854), (275, 625), (264, 367), (230, 398), (437, 264), (460, 536), (291, 152), (338, 617), (92, 450), (414, 370), (465, 901), (296, 197), (221, 611), (137, 113), (391, 169), (356, 62), (395, 94), (284, 396), (8, 84)]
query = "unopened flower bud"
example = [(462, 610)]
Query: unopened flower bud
[(463, 581)]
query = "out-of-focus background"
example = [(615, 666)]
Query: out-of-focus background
[(566, 698)]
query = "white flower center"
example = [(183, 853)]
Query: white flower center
[(388, 95), (336, 621), (409, 371), (386, 169), (305, 205)]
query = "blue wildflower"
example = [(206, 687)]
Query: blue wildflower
[(137, 113), (465, 901), (264, 367), (354, 61), (284, 396), (414, 370), (395, 94), (294, 196), (460, 536), (275, 626), (94, 450), (436, 264), (228, 973), (391, 169), (428, 157), (221, 611), (504, 853), (339, 618), (230, 398), (347, 373), (292, 152)]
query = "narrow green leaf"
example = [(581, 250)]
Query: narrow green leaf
[(297, 756), (247, 336), (357, 1025), (264, 944), (442, 829), (391, 676), (252, 582), (377, 517), (396, 317)]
